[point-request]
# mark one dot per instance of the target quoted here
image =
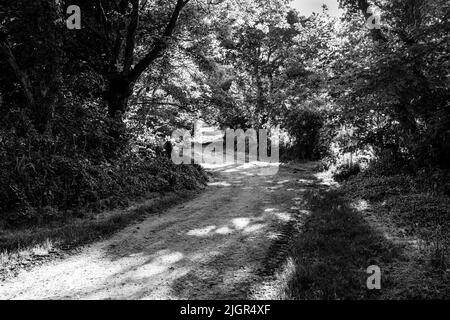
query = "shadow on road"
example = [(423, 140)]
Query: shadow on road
[(217, 247)]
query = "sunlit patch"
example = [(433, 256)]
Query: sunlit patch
[(201, 232), (416, 243), (232, 170), (269, 170), (224, 230), (169, 258), (253, 168), (306, 181), (136, 254), (254, 228), (360, 205), (204, 256), (283, 182), (241, 223), (149, 270), (387, 236), (305, 212), (220, 184), (326, 178), (284, 216), (42, 249), (274, 288), (272, 235), (158, 265)]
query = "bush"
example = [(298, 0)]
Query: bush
[(43, 183), (305, 127), (378, 188), (388, 164), (345, 171)]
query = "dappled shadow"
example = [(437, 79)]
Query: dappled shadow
[(231, 241), (214, 247)]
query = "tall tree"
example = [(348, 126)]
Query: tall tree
[(121, 39)]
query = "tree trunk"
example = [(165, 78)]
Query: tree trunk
[(118, 92), (116, 97)]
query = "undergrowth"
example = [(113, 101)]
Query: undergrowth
[(61, 188), (333, 251), (417, 202)]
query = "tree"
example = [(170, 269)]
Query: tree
[(392, 89), (122, 39), (30, 44)]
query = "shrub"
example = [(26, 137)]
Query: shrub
[(385, 165), (305, 128), (378, 188), (345, 171), (42, 183)]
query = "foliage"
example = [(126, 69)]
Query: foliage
[(39, 187), (62, 150), (305, 128), (345, 171), (389, 82)]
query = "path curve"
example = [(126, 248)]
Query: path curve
[(215, 246)]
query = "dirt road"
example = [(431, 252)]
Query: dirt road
[(227, 243)]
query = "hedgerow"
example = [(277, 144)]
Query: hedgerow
[(40, 185)]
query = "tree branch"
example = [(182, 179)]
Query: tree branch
[(160, 44), (130, 41), (20, 74)]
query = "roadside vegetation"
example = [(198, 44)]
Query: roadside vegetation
[(342, 237)]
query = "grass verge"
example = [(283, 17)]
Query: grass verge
[(27, 247), (338, 241), (334, 249)]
